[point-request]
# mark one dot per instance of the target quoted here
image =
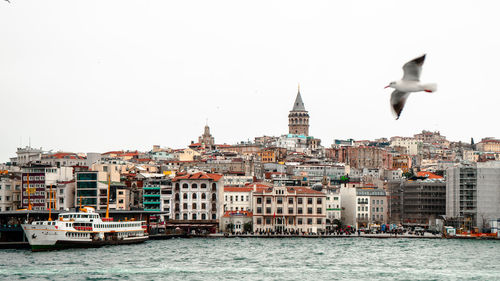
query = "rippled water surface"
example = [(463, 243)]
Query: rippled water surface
[(263, 259)]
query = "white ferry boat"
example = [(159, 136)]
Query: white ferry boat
[(83, 229)]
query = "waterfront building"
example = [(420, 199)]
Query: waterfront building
[(473, 192), (10, 191), (416, 202), (333, 207), (89, 191), (123, 199), (197, 196), (371, 207), (287, 209), (237, 198), (236, 221), (157, 194), (41, 178)]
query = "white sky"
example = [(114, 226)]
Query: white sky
[(93, 76)]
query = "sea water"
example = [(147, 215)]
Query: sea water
[(263, 259)]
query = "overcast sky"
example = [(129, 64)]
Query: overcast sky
[(93, 76)]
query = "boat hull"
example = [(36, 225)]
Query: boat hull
[(64, 244)]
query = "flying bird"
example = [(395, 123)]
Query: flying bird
[(410, 83)]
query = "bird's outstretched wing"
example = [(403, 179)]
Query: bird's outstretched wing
[(398, 100), (413, 68)]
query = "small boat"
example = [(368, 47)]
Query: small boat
[(83, 229)]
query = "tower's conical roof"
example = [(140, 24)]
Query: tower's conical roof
[(298, 105)]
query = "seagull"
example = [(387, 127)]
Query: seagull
[(410, 83)]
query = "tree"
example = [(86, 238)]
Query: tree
[(248, 227)]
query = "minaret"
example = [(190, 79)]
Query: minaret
[(298, 118)]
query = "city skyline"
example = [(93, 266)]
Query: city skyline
[(159, 70)]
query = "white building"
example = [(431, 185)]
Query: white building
[(198, 196), (412, 145), (473, 192), (10, 192), (333, 206)]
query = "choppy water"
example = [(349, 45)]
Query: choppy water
[(263, 259)]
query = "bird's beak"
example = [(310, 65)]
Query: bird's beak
[(387, 86)]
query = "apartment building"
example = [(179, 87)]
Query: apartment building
[(289, 209)]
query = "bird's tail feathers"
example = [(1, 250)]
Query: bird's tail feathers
[(431, 87)]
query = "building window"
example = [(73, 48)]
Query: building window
[(279, 200), (259, 221), (203, 196), (268, 210), (259, 210), (185, 216), (309, 221), (194, 216), (203, 206), (185, 196), (318, 211), (194, 195), (194, 186), (309, 200), (318, 200), (319, 221), (299, 210), (203, 185), (290, 200), (299, 221), (214, 187), (290, 210), (259, 200), (203, 216), (280, 210), (194, 206), (299, 200), (268, 200), (290, 221), (309, 211), (268, 220), (185, 206), (185, 185)]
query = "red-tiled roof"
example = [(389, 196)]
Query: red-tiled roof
[(237, 213), (65, 155), (199, 176), (428, 175), (113, 152)]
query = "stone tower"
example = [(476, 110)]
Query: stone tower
[(298, 119), (206, 139)]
